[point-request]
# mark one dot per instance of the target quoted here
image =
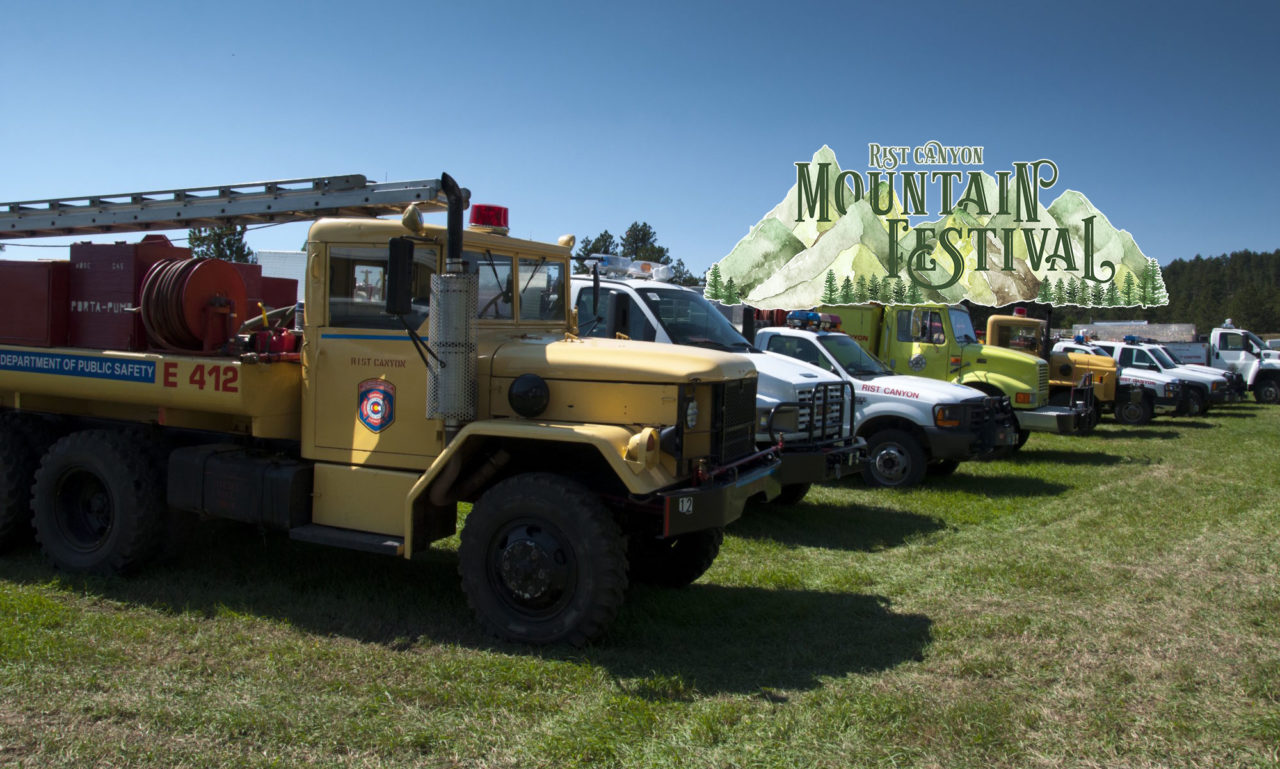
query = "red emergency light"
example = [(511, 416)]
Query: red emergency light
[(1020, 312), (492, 217)]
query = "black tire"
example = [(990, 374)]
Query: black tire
[(1197, 403), (23, 440), (1134, 413), (1267, 391), (941, 468), (673, 562), (895, 459), (99, 504), (542, 561), (791, 494)]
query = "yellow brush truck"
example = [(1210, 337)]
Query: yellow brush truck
[(588, 462), (1067, 370)]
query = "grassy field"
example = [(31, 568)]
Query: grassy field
[(1111, 601)]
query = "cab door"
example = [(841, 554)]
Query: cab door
[(1231, 351), (366, 382), (922, 335)]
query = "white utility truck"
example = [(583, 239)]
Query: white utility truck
[(912, 425)]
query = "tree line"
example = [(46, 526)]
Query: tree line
[(1242, 285)]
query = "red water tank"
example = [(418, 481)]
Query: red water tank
[(105, 282)]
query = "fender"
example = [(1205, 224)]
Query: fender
[(610, 441)]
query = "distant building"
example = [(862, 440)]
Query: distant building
[(1115, 330), (284, 264)]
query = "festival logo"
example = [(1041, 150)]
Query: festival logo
[(377, 404), (845, 237)]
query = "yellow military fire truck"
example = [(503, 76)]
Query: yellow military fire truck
[(431, 366)]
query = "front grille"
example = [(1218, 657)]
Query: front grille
[(822, 411), (733, 432), (1043, 370)]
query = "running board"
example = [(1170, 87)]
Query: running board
[(363, 541)]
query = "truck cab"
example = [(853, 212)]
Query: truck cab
[(1068, 370), (1242, 351), (939, 342), (806, 408), (913, 426)]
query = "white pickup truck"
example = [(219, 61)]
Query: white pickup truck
[(808, 409), (912, 424), (1200, 389)]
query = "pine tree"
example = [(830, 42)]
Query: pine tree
[(1045, 294), (1128, 293), (913, 294), (1159, 294), (729, 294), (1073, 291), (1095, 295), (1112, 296), (830, 294), (873, 288), (860, 291), (715, 285), (846, 291), (1059, 293), (899, 290)]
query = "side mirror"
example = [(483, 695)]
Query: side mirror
[(400, 277)]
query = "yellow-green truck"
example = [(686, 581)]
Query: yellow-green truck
[(938, 341), (588, 463)]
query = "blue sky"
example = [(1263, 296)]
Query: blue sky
[(583, 117)]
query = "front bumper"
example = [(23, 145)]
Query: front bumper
[(1062, 420), (719, 501), (815, 464)]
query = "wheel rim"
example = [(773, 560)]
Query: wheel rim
[(532, 568), (83, 510), (891, 464), (1131, 412)]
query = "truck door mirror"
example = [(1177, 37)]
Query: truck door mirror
[(400, 277)]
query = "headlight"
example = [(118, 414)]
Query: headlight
[(691, 415), (1215, 386), (1170, 389), (948, 415)]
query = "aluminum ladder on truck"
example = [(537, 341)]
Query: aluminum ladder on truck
[(275, 202)]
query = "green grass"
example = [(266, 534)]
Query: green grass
[(1109, 601)]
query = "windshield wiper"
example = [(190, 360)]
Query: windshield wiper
[(710, 343)]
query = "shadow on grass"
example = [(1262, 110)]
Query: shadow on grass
[(832, 526), (738, 639), (1230, 412), (1128, 433), (998, 485), (1195, 423), (716, 639), (1058, 457)]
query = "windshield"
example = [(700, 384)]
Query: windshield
[(1164, 360), (688, 318), (851, 357), (1173, 356), (1252, 337), (962, 325)]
